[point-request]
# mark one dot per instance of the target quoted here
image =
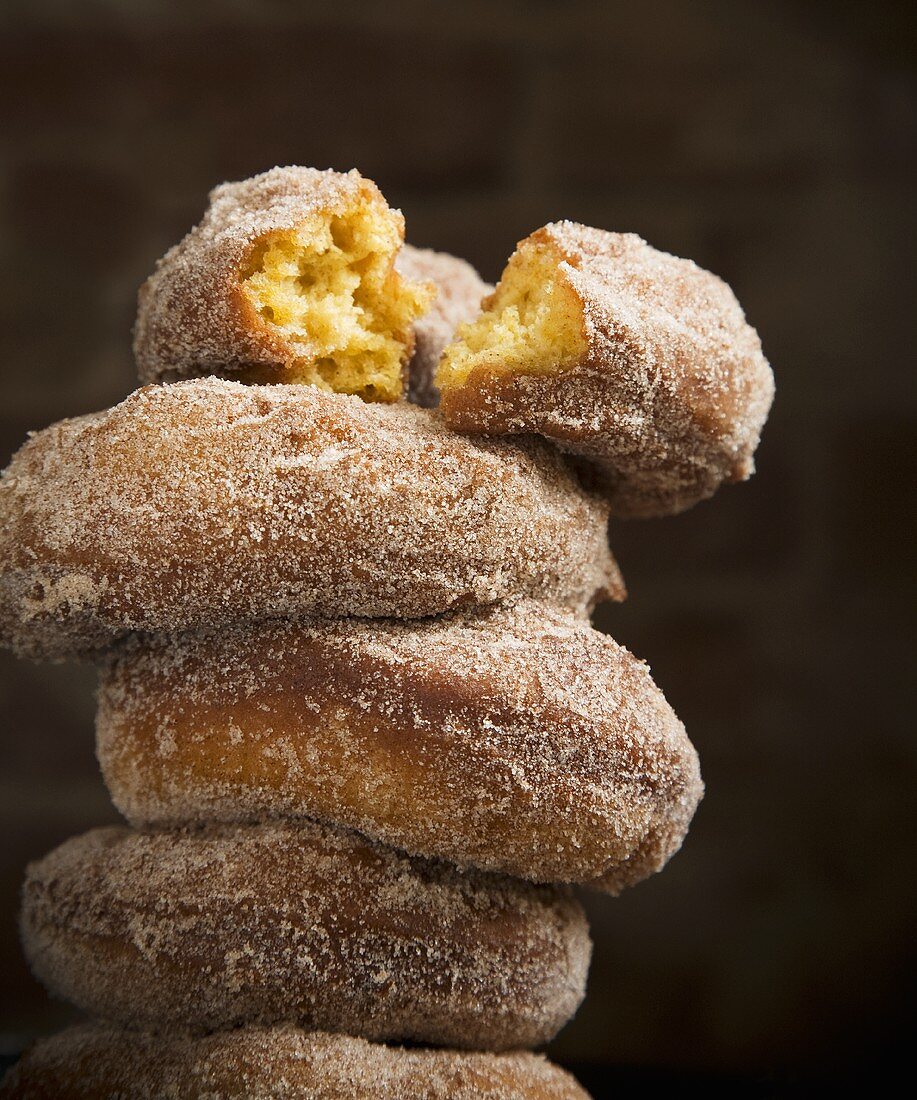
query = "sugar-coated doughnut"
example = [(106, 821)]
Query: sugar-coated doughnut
[(640, 362), (98, 1062), (208, 501), (297, 922), (459, 293), (517, 740), (289, 278)]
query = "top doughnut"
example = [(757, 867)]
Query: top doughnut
[(638, 361), (289, 277)]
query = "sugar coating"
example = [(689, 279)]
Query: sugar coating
[(208, 502), (297, 922), (516, 739), (281, 1063), (671, 392), (192, 316), (459, 292)]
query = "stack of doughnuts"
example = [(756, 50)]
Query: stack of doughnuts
[(335, 562)]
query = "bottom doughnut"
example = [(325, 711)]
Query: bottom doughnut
[(299, 923), (96, 1062)]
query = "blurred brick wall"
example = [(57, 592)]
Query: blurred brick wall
[(773, 143)]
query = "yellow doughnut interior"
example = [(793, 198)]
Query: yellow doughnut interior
[(532, 323), (330, 293)]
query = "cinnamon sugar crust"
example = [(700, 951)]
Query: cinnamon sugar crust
[(637, 361), (208, 502), (98, 1062), (301, 923), (459, 293), (517, 740)]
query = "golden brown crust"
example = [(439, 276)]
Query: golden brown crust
[(517, 740), (459, 293), (193, 317), (670, 396), (99, 1062), (207, 501), (301, 923)]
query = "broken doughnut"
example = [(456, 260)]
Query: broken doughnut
[(289, 277), (636, 361)]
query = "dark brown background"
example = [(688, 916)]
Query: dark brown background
[(773, 143)]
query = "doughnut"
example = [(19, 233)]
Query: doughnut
[(459, 292), (208, 501), (517, 740), (290, 277), (296, 922), (634, 360), (98, 1062)]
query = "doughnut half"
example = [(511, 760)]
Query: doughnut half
[(207, 501), (98, 1062), (635, 360), (289, 278), (459, 293), (517, 740), (300, 923)]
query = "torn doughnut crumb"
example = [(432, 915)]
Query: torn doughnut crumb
[(96, 1060), (290, 277), (637, 361), (531, 324)]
